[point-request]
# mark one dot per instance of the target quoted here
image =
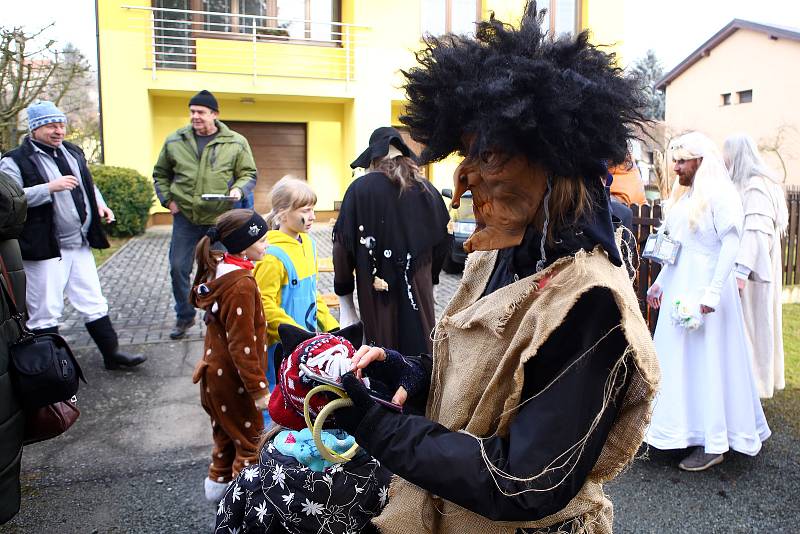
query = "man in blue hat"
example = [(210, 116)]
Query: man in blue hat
[(65, 209)]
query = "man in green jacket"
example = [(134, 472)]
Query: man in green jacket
[(206, 157)]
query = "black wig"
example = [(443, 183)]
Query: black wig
[(561, 102)]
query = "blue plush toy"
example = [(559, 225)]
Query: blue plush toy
[(300, 445)]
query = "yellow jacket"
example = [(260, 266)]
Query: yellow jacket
[(273, 278)]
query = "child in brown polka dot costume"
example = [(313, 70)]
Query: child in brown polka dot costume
[(233, 389)]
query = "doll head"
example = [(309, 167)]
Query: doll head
[(325, 354)]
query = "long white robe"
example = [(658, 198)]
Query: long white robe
[(759, 259), (708, 396)]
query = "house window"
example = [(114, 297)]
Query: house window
[(563, 16), (296, 19), (444, 16), (174, 48), (726, 99), (745, 97)]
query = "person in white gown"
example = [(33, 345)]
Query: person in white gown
[(708, 399), (758, 270)]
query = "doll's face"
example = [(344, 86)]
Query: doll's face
[(507, 194)]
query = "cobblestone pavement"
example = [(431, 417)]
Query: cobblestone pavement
[(137, 285)]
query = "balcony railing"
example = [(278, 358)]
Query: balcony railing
[(254, 45)]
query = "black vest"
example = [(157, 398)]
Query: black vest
[(38, 240)]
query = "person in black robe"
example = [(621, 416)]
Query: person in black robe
[(392, 231)]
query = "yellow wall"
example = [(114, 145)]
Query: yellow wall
[(694, 101), (341, 101), (325, 156)]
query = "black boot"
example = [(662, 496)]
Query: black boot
[(105, 337), (48, 330)]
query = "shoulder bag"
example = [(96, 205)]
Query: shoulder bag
[(44, 375)]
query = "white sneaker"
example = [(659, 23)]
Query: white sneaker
[(215, 490)]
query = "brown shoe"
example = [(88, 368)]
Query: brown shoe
[(699, 460), (180, 329)]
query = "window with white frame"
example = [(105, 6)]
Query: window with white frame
[(445, 16)]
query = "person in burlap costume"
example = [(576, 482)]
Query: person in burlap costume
[(543, 370)]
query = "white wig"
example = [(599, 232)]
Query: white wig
[(710, 179), (744, 162)]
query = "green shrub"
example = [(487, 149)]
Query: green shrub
[(128, 194)]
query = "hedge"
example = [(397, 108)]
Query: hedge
[(128, 194)]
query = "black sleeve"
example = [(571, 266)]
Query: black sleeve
[(449, 464), (438, 255), (343, 265)]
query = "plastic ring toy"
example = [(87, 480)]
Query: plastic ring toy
[(316, 427)]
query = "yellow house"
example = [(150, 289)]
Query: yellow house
[(306, 81), (743, 79)]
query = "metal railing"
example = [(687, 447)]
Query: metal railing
[(255, 45)]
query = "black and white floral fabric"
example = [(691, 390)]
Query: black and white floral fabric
[(282, 495)]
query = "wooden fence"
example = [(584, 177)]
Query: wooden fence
[(791, 242), (647, 218)]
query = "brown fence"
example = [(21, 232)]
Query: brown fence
[(647, 218), (791, 259)]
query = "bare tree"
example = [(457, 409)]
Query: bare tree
[(779, 145), (29, 71)]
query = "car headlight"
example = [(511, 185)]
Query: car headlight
[(464, 227)]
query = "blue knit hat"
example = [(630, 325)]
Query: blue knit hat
[(44, 112)]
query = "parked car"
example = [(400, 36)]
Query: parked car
[(460, 227)]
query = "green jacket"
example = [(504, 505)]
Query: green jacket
[(179, 175)]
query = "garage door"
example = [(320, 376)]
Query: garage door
[(278, 148)]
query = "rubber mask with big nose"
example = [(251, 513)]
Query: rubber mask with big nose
[(507, 195)]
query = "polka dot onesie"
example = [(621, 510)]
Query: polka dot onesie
[(232, 371)]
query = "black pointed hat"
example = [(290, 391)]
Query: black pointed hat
[(379, 143)]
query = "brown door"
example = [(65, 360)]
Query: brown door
[(279, 149)]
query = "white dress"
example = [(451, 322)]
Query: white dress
[(759, 261), (707, 393)]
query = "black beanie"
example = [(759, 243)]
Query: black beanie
[(205, 98)]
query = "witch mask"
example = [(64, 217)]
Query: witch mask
[(507, 193)]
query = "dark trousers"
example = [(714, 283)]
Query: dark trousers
[(185, 236)]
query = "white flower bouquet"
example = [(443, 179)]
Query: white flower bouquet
[(686, 313)]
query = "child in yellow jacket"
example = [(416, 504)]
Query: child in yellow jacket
[(287, 275)]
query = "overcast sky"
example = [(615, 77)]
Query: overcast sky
[(673, 28)]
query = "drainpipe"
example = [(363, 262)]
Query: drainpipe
[(99, 85)]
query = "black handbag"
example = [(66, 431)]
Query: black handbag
[(43, 368)]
